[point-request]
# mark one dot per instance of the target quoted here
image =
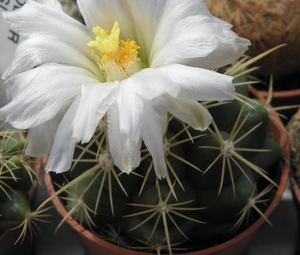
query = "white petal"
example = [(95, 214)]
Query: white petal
[(38, 94), (40, 138), (196, 40), (145, 17), (189, 111), (200, 84), (189, 38), (61, 155), (150, 83), (137, 19), (104, 13), (125, 153), (224, 54), (130, 107), (154, 127), (95, 100), (37, 50), (175, 11), (50, 3), (38, 19)]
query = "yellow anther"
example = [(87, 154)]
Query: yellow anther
[(117, 59)]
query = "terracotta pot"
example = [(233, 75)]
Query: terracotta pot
[(235, 246), (8, 238), (280, 98)]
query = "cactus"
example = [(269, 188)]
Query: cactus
[(220, 180), (266, 24), (294, 135), (17, 177), (15, 169)]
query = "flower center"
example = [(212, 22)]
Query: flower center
[(116, 58)]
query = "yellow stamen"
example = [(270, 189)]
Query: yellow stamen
[(116, 58)]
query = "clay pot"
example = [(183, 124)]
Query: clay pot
[(234, 246)]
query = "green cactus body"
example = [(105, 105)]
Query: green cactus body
[(178, 166), (16, 174), (205, 159), (14, 210), (158, 235), (218, 180), (16, 185), (82, 198), (15, 170), (218, 112), (163, 198), (268, 160), (254, 118), (234, 202)]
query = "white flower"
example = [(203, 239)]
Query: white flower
[(134, 61)]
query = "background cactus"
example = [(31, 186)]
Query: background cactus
[(266, 24), (294, 134), (17, 176), (219, 181)]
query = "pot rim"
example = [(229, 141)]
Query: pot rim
[(262, 95)]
